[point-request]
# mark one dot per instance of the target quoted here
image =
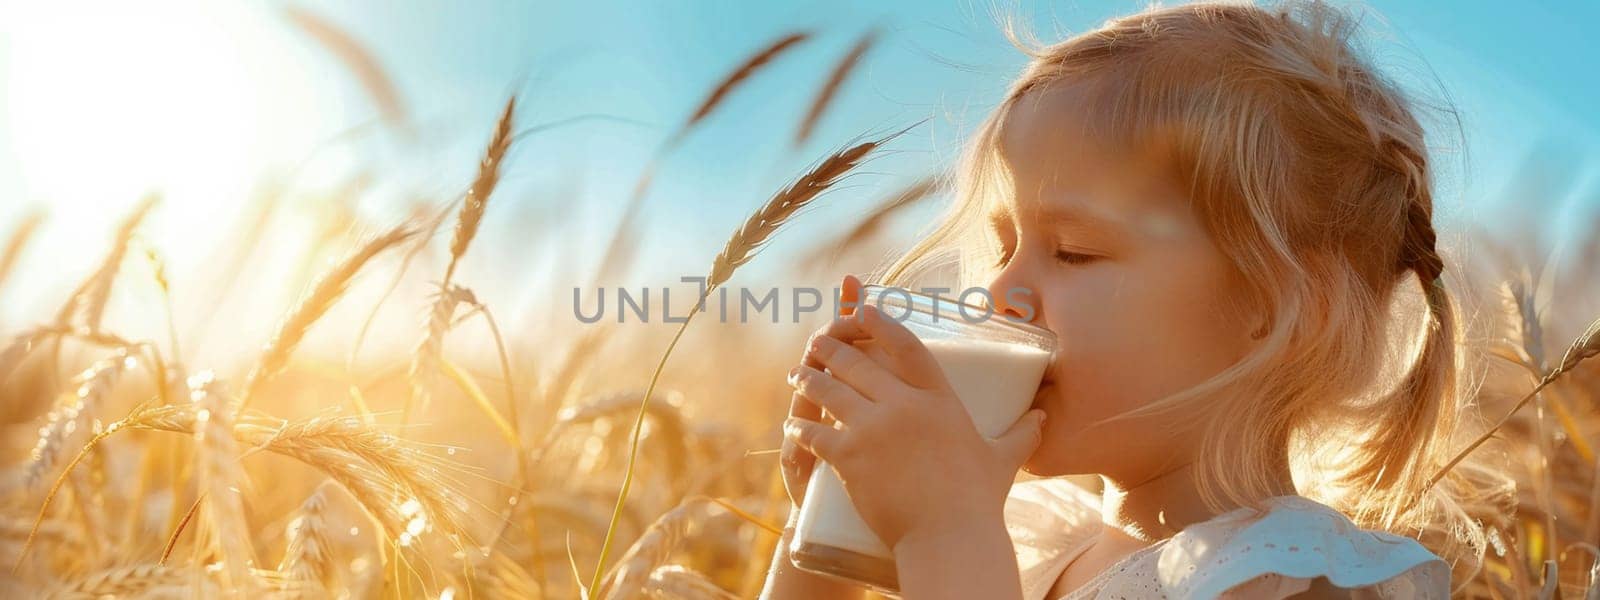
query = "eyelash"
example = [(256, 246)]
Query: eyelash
[(1062, 256), (1074, 258)]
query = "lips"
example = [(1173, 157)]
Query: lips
[(1039, 395)]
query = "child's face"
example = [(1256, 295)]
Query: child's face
[(1124, 273)]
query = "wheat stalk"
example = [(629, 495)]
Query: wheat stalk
[(471, 215), (836, 79), (741, 247), (311, 307)]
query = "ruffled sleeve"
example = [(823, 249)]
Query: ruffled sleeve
[(1248, 554)]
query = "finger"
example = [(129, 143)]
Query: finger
[(794, 460), (846, 330), (911, 359), (839, 399), (803, 408), (820, 440), (849, 295), (1018, 443), (850, 365)]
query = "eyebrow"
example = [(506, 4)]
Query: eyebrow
[(1076, 218)]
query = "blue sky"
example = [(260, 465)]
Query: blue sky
[(101, 102)]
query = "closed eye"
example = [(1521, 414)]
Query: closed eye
[(1075, 258)]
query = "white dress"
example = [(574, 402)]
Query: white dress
[(1240, 554)]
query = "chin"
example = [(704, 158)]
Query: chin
[(1042, 465)]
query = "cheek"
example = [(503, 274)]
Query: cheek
[(1140, 338), (1128, 339)]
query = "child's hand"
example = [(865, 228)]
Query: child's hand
[(909, 456)]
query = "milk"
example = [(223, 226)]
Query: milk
[(995, 381)]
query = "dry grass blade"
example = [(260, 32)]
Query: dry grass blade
[(363, 64), (91, 296), (311, 308), (20, 236), (836, 79), (471, 215), (741, 247)]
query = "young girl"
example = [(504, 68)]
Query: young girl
[(1213, 207)]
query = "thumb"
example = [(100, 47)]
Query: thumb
[(1018, 443)]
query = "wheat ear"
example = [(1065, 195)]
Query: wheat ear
[(222, 529), (93, 386), (362, 63), (830, 89), (306, 555), (425, 359), (738, 76), (471, 215), (90, 297), (621, 245), (652, 549), (311, 308)]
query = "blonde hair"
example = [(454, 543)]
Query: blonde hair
[(1312, 176)]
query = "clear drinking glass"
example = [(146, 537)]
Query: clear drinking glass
[(992, 363)]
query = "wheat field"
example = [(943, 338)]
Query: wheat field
[(599, 461)]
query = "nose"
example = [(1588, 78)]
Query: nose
[(1012, 296)]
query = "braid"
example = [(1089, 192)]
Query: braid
[(1419, 253), (1418, 250)]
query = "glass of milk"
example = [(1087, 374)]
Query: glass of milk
[(993, 364)]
